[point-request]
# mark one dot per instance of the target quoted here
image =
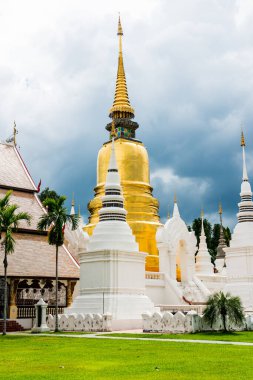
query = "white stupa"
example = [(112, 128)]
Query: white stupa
[(112, 270), (203, 258), (239, 256)]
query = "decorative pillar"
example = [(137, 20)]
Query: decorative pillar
[(70, 291), (13, 310), (40, 321)]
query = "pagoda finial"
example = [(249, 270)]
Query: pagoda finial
[(79, 211), (220, 213), (220, 208), (113, 130), (120, 30), (245, 174), (202, 222), (242, 139), (121, 106), (73, 200), (175, 197)]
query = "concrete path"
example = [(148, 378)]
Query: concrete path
[(107, 336)]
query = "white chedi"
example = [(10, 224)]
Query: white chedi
[(239, 256), (203, 258), (112, 231), (112, 270)]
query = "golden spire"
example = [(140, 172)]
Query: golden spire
[(220, 209), (113, 131), (242, 139), (121, 106), (73, 200), (202, 213)]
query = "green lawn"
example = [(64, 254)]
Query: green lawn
[(242, 336), (62, 358)]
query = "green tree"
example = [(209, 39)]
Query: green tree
[(47, 193), (224, 306), (55, 221), (227, 235), (9, 222)]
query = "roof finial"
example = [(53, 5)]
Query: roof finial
[(73, 200), (79, 211), (121, 106), (175, 197), (202, 213), (15, 132)]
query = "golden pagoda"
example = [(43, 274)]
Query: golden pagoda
[(132, 158)]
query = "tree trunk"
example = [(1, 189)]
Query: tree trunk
[(224, 322), (5, 290), (56, 291)]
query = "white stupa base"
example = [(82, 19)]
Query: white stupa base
[(239, 265), (120, 306), (126, 309), (219, 264), (244, 290), (204, 268)]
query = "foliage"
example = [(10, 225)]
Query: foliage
[(220, 305), (9, 221), (54, 222), (47, 193)]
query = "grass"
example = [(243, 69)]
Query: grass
[(55, 357), (241, 336)]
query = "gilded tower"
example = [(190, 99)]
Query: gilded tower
[(132, 158)]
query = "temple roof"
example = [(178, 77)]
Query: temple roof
[(13, 172), (28, 202), (34, 257)]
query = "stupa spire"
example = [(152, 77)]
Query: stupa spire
[(121, 106), (222, 242), (246, 205), (72, 211), (175, 210), (112, 201), (245, 174), (203, 259)]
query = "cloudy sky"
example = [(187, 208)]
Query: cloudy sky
[(189, 67)]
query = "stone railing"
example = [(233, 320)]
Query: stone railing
[(26, 312), (81, 322), (154, 276), (183, 308), (186, 323)]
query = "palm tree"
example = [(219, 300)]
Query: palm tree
[(9, 221), (220, 305), (55, 221)]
